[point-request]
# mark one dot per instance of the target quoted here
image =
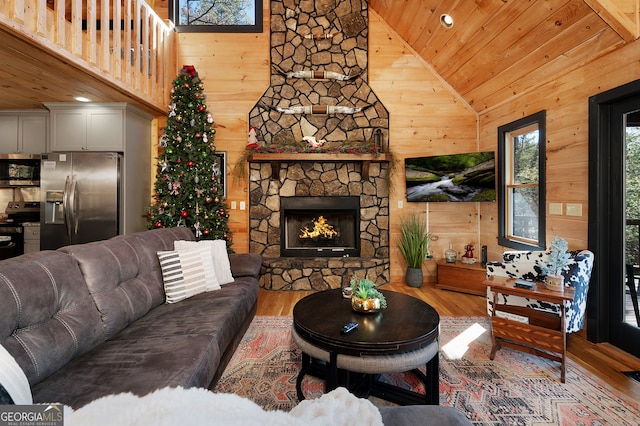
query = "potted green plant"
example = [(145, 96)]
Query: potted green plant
[(414, 246), (557, 260), (366, 297)]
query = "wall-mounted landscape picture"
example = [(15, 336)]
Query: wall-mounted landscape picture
[(450, 178)]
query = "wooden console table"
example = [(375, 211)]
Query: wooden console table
[(462, 277), (542, 334)]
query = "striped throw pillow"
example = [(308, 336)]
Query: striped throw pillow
[(183, 274)]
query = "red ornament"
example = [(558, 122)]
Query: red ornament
[(201, 108), (184, 213), (205, 232), (158, 224), (179, 161), (190, 163), (186, 85), (222, 213)]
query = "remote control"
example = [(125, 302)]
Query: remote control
[(349, 327), (524, 284)]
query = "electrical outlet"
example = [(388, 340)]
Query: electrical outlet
[(243, 205), (555, 208), (233, 205), (400, 204), (574, 209)]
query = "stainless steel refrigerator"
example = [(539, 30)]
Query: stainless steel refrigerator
[(81, 194)]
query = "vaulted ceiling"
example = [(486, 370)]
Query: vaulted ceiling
[(499, 48), (496, 48)]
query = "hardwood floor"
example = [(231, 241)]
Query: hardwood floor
[(602, 360)]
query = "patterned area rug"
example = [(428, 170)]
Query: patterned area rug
[(514, 389)]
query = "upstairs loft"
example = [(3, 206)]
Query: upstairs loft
[(57, 49)]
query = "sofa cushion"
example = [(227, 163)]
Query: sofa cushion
[(47, 316), (219, 255), (123, 274), (136, 366), (218, 315), (184, 274), (423, 415)]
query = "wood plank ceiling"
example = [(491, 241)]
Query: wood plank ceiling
[(500, 48), (496, 48)]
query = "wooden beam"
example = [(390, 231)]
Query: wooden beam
[(621, 15)]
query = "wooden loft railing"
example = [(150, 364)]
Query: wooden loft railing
[(137, 54)]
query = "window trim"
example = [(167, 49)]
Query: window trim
[(255, 28), (538, 118)]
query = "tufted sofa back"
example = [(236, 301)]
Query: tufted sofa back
[(123, 274), (47, 316)]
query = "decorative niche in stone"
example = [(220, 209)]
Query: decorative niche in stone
[(319, 77)]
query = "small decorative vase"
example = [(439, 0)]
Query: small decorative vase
[(450, 254), (555, 283), (414, 277), (365, 306)]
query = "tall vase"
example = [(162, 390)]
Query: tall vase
[(414, 277)]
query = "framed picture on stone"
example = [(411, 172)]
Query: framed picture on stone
[(220, 170), (221, 16)]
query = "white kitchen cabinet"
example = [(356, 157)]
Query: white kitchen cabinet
[(23, 131), (88, 127), (110, 127)]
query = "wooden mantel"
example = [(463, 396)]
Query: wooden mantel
[(295, 157)]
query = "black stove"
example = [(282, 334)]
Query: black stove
[(18, 213), (23, 211)]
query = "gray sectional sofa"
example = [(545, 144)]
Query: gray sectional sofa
[(90, 320)]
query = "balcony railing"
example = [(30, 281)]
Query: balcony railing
[(121, 41)]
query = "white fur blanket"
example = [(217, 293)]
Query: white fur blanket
[(194, 406)]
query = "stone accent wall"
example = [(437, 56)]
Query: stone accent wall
[(345, 52), (319, 179)]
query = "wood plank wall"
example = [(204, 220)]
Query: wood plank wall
[(566, 101), (427, 118)]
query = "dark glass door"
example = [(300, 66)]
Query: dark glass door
[(614, 216)]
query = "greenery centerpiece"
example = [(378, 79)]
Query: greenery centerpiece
[(558, 259), (365, 296), (414, 246)]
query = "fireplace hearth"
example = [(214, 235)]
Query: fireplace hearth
[(320, 226)]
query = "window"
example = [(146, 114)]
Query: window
[(521, 204), (239, 16)]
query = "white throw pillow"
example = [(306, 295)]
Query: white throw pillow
[(218, 248), (183, 274), (13, 379)]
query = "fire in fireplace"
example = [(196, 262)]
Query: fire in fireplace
[(319, 226)]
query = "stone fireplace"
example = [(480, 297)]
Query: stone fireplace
[(314, 182), (319, 93)]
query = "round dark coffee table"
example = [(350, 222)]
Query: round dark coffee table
[(402, 337)]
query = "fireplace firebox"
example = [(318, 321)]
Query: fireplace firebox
[(319, 226)]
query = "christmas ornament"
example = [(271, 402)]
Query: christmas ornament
[(158, 224), (201, 108), (184, 214), (190, 163), (252, 141), (205, 232), (209, 118)]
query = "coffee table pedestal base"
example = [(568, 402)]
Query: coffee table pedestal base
[(361, 375)]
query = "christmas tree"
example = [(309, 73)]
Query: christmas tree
[(188, 191)]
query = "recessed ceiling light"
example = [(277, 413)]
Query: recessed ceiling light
[(446, 20), (82, 99)]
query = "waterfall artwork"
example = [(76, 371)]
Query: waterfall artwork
[(451, 178)]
